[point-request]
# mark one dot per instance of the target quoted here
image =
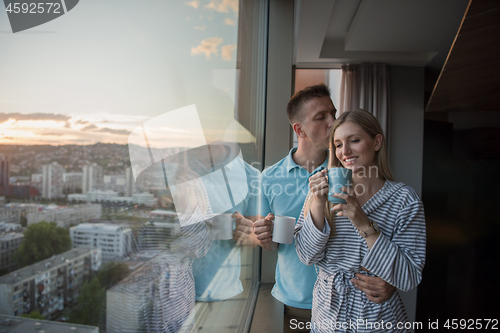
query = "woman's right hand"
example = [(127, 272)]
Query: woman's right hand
[(318, 183)]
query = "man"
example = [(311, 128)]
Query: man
[(284, 187)]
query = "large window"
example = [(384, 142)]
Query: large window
[(142, 119)]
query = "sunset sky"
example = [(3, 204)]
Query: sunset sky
[(106, 67)]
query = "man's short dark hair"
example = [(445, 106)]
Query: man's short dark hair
[(302, 96)]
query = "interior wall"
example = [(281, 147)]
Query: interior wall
[(406, 133)]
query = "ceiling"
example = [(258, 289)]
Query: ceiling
[(406, 33), (470, 78), (457, 41)]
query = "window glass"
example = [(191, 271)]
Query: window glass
[(131, 135)]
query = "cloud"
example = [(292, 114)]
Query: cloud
[(228, 21), (223, 6), (94, 128), (207, 46), (112, 131), (194, 3), (203, 28), (227, 51), (49, 141), (49, 133), (81, 122), (90, 127), (33, 116)]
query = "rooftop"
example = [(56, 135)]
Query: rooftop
[(98, 227), (11, 324), (10, 236), (163, 212), (43, 266)]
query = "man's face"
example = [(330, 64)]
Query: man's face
[(317, 116)]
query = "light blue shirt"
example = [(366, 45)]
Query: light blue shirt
[(217, 274), (284, 187)]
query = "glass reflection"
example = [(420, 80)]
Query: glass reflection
[(154, 112), (212, 190)]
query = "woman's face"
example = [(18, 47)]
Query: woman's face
[(354, 148)]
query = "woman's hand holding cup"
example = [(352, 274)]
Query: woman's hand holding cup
[(351, 209), (318, 183)]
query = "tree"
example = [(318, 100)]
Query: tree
[(91, 307), (41, 241), (24, 221), (33, 315), (112, 273)]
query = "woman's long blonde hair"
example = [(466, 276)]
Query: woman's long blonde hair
[(371, 126)]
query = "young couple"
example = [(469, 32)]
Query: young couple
[(348, 259)]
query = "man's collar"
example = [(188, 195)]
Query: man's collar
[(290, 163)]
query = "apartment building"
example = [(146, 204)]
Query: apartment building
[(37, 181), (117, 183), (9, 243), (11, 324), (111, 198), (52, 180), (158, 233), (10, 227), (92, 178), (72, 182), (10, 215), (115, 241), (144, 198), (134, 303), (67, 216), (129, 182), (13, 212), (4, 174), (50, 285), (164, 215), (22, 191)]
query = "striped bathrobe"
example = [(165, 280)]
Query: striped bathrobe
[(398, 257)]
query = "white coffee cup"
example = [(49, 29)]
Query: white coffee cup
[(283, 228), (222, 226)]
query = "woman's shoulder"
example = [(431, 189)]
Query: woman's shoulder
[(403, 192)]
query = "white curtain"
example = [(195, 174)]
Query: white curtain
[(366, 86)]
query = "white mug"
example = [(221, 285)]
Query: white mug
[(283, 227)]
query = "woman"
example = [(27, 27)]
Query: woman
[(380, 231), (163, 289)]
